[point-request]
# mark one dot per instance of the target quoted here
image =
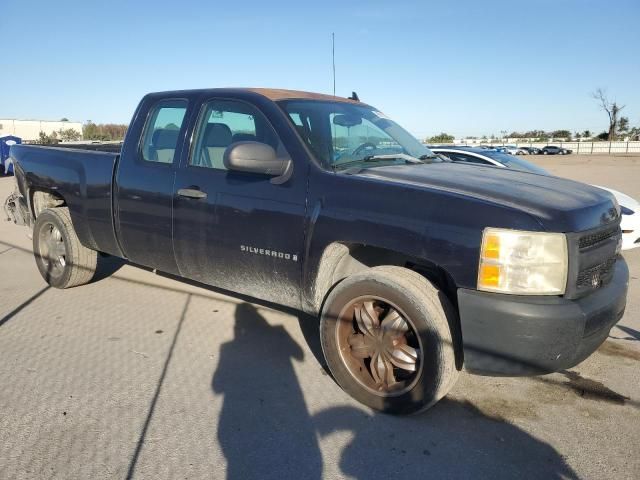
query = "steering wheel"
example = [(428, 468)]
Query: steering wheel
[(362, 147)]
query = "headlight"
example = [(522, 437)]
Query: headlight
[(523, 263)]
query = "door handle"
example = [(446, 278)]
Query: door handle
[(192, 193)]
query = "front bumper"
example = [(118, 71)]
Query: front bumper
[(527, 335)]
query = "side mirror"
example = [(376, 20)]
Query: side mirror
[(255, 157)]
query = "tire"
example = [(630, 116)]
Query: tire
[(428, 315), (62, 260)]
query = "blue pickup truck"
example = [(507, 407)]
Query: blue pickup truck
[(416, 267)]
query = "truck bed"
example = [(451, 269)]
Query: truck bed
[(83, 178), (111, 147)]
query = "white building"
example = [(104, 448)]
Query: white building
[(29, 130)]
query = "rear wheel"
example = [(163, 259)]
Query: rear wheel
[(61, 259), (387, 340)]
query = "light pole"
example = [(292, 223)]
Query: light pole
[(503, 132)]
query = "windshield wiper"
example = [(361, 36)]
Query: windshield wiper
[(393, 156), (429, 158), (376, 158)]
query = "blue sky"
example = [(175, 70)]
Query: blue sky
[(465, 67)]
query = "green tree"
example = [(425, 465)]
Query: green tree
[(103, 132), (623, 126), (441, 138), (586, 134), (561, 134), (603, 136), (69, 135), (44, 139)]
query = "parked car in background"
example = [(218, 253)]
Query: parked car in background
[(513, 150), (488, 158), (630, 223), (553, 150), (629, 208), (532, 150)]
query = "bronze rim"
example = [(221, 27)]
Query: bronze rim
[(379, 346), (53, 252)]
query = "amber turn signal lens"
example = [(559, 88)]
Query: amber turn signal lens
[(491, 247), (489, 275)]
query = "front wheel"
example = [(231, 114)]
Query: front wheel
[(61, 259), (387, 340)]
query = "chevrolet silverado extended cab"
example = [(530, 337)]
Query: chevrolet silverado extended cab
[(416, 267)]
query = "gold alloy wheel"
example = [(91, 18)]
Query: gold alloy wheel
[(379, 346)]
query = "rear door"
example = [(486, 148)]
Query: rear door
[(237, 230), (144, 183)]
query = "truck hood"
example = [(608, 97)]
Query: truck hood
[(560, 205)]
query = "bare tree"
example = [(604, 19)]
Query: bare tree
[(612, 109)]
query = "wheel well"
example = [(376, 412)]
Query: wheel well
[(42, 199), (340, 260)]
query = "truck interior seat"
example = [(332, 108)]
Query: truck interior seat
[(164, 143), (217, 137)]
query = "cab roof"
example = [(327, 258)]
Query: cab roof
[(274, 94), (282, 94)]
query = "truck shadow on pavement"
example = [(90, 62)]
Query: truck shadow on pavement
[(266, 431), (633, 334)]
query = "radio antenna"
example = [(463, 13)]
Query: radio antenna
[(333, 60)]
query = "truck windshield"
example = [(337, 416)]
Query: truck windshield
[(342, 134)]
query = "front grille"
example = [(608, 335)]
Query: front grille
[(592, 258), (593, 276), (596, 238)]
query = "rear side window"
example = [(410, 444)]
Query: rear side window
[(160, 138)]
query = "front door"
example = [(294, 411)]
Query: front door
[(237, 230)]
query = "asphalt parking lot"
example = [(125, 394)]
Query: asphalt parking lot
[(138, 375)]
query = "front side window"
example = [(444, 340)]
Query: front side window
[(224, 122), (160, 138), (340, 134)]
